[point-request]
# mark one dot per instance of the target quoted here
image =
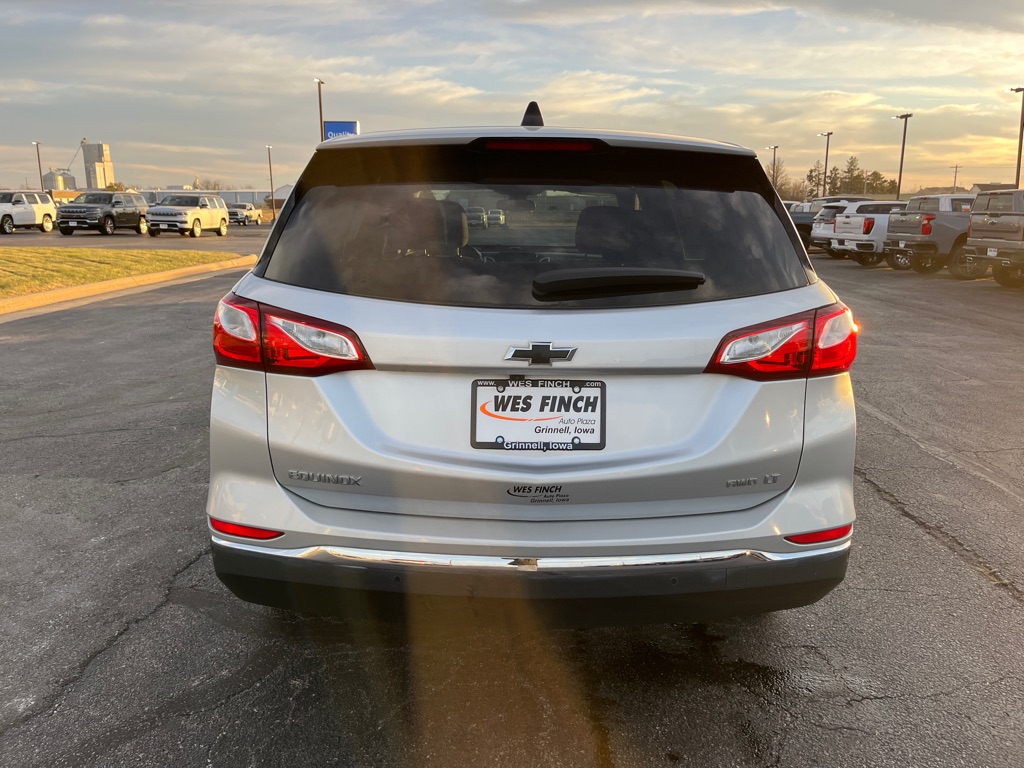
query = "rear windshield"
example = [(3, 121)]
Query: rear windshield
[(829, 212), (391, 223), (1002, 203)]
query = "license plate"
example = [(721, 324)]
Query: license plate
[(163, 226), (993, 251), (538, 415), (903, 243)]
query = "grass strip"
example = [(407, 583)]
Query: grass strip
[(30, 270)]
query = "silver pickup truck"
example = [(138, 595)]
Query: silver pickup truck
[(931, 234), (997, 235)]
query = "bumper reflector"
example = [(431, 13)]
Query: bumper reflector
[(245, 531), (818, 537)]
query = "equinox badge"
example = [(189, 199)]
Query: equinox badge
[(540, 353)]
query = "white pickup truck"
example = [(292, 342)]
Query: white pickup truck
[(860, 230)]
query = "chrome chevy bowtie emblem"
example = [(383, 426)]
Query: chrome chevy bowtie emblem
[(540, 353)]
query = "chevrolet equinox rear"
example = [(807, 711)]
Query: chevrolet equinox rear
[(634, 403)]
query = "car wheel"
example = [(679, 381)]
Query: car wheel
[(66, 230), (223, 228), (154, 233), (899, 261), (962, 270), (143, 227), (927, 265), (107, 226), (7, 225), (1009, 277), (197, 229), (47, 225), (868, 259), (259, 220)]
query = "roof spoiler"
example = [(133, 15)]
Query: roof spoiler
[(532, 117)]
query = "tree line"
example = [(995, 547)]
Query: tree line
[(850, 180)]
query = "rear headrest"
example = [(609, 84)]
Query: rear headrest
[(416, 225), (456, 226), (433, 226), (604, 229)]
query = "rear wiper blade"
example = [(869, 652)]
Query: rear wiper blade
[(602, 282)]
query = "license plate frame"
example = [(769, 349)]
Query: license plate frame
[(568, 420)]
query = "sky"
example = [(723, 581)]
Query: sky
[(180, 89)]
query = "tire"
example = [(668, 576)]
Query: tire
[(259, 220), (67, 231), (6, 225), (898, 261), (143, 227), (1009, 277), (154, 233), (926, 265), (47, 225), (222, 230), (868, 259), (961, 270), (196, 230), (107, 226)]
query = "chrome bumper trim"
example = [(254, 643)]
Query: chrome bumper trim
[(354, 556)]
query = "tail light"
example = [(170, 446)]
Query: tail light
[(869, 224), (820, 342), (926, 223), (833, 225), (247, 334), (820, 537)]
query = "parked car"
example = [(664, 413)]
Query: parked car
[(245, 214), (931, 234), (641, 410), (189, 213), (476, 217), (103, 212), (823, 228), (496, 218), (860, 231), (996, 236), (20, 210)]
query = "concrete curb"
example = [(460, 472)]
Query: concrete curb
[(58, 295)]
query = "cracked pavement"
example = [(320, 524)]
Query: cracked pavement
[(120, 647)]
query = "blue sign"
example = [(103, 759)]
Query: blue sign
[(335, 128)]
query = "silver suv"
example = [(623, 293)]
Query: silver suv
[(189, 213), (635, 405)]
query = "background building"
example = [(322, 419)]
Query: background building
[(99, 168)]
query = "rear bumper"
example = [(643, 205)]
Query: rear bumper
[(1005, 255), (587, 590)]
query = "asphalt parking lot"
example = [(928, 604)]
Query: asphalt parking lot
[(239, 239), (120, 647)]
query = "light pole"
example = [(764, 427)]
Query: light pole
[(39, 160), (899, 180), (824, 175), (320, 101), (775, 172), (270, 165), (1020, 135)]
